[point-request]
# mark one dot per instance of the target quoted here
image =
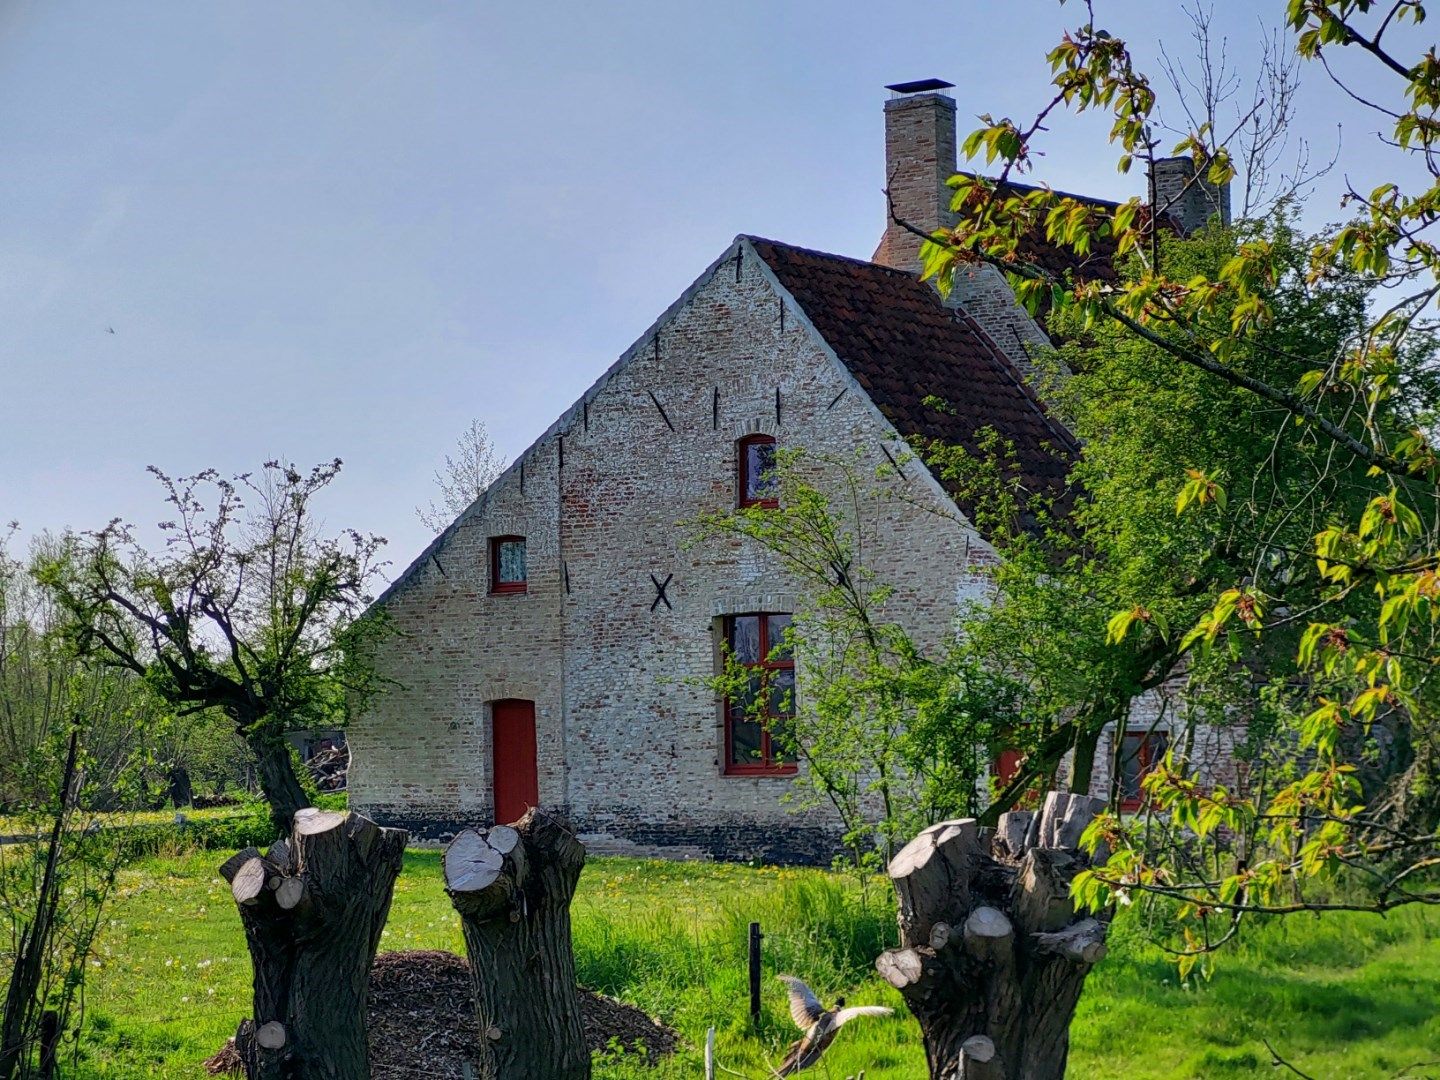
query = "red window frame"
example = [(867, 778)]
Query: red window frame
[(496, 585), (768, 765), (742, 471), (1152, 747), (1004, 765)]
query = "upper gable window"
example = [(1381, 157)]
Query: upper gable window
[(507, 564), (755, 460)]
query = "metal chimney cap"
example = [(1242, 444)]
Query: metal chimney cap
[(921, 86)]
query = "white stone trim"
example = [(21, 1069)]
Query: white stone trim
[(746, 602)]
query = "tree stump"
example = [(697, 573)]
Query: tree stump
[(182, 795), (512, 886), (313, 907), (992, 957)]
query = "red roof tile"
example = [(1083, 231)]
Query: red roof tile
[(903, 345)]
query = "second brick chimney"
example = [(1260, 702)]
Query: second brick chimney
[(919, 159), (1193, 206)]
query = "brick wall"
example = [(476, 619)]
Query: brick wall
[(629, 741)]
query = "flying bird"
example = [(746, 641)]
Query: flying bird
[(109, 329), (819, 1024)]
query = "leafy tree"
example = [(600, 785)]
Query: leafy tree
[(42, 681), (1367, 644), (75, 739), (246, 609), (885, 739), (1095, 588)]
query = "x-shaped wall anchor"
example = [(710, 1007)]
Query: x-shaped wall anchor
[(660, 587)]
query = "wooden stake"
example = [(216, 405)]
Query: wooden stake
[(755, 937)]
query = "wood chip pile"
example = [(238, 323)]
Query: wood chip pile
[(422, 1020)]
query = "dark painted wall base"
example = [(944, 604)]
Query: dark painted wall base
[(734, 841)]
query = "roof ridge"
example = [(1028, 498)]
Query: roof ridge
[(1094, 199), (869, 263)]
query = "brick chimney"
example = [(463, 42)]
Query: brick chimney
[(1199, 203), (919, 159)]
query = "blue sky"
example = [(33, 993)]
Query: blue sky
[(344, 229)]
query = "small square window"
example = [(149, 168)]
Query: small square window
[(507, 564), (757, 484)]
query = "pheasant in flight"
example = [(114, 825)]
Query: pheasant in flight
[(819, 1024)]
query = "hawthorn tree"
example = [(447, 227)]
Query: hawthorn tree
[(250, 611), (1304, 835), (245, 609)]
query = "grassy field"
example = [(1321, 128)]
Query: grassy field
[(1345, 997), (10, 824)]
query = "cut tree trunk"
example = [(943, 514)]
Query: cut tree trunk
[(992, 956), (512, 886), (313, 906)]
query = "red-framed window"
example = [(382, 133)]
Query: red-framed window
[(507, 564), (756, 482), (755, 718), (1006, 765), (1140, 752)]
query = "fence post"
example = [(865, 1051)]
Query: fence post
[(710, 1054), (755, 937)]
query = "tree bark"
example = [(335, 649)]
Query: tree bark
[(992, 958), (278, 781), (512, 886), (1082, 770), (182, 795), (18, 1030), (313, 907)]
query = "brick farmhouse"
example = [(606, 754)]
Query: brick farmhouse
[(553, 641)]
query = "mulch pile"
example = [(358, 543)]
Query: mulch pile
[(422, 1020)]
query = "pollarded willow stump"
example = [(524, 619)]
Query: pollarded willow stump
[(313, 907), (993, 957), (512, 886)]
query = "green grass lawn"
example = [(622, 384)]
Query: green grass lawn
[(12, 825), (1345, 997)]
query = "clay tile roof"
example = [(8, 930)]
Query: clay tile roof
[(1060, 262), (903, 345)]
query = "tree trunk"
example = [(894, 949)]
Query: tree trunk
[(278, 781), (992, 957), (512, 887), (1082, 771), (182, 795), (23, 992), (313, 908)]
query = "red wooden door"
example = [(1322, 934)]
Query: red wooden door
[(517, 783)]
